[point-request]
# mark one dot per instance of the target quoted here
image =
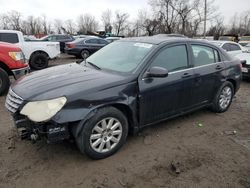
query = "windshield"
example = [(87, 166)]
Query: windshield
[(122, 57)]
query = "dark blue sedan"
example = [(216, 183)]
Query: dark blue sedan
[(84, 47)]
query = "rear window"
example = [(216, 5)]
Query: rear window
[(234, 47), (9, 37), (204, 55)]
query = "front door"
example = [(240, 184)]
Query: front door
[(163, 97)]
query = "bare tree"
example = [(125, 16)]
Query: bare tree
[(106, 20), (58, 25), (70, 26), (86, 23), (4, 21), (120, 21), (217, 29), (14, 18)]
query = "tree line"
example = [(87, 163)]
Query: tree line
[(165, 16)]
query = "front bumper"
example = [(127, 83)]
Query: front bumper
[(51, 131), (17, 73)]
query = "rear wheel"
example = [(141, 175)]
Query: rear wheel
[(104, 134), (4, 82), (223, 98), (85, 54), (39, 61)]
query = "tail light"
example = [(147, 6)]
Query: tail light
[(71, 45)]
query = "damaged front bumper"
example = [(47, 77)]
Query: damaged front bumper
[(51, 131)]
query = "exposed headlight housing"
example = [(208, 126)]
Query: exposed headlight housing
[(16, 56), (42, 111)]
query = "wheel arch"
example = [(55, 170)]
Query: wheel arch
[(6, 68), (125, 109), (38, 51), (233, 82)]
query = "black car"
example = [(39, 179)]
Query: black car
[(62, 39), (84, 47), (125, 86)]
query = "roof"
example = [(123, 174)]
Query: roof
[(157, 40)]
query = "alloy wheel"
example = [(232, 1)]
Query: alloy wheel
[(225, 97), (105, 135)]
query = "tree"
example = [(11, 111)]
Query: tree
[(14, 18), (86, 23), (120, 21), (70, 26), (58, 25), (106, 20)]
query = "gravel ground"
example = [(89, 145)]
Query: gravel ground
[(202, 149)]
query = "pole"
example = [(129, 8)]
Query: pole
[(205, 20)]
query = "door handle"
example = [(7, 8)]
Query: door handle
[(186, 75), (218, 67)]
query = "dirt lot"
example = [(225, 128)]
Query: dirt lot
[(207, 149)]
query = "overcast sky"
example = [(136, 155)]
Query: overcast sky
[(70, 9)]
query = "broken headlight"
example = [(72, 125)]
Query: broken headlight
[(41, 111)]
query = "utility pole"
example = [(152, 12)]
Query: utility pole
[(205, 20)]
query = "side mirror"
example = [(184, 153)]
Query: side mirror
[(157, 72)]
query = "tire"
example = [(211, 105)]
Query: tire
[(97, 146), (84, 54), (39, 61), (4, 82), (224, 94)]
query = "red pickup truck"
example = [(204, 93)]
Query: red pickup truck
[(12, 63)]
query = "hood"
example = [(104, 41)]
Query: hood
[(65, 80)]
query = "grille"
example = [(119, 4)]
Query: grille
[(13, 101)]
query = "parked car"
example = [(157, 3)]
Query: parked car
[(84, 47), (247, 46), (244, 40), (62, 39), (12, 63), (125, 86), (245, 59), (37, 53), (232, 48)]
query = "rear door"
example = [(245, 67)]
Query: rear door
[(209, 70), (163, 97), (102, 42), (92, 45)]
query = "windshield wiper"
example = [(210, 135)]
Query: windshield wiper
[(94, 65)]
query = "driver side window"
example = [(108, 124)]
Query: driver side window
[(173, 58)]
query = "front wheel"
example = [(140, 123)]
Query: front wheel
[(223, 98), (104, 134)]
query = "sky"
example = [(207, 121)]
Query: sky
[(70, 9)]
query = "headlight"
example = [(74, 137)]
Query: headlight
[(17, 56), (41, 111)]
